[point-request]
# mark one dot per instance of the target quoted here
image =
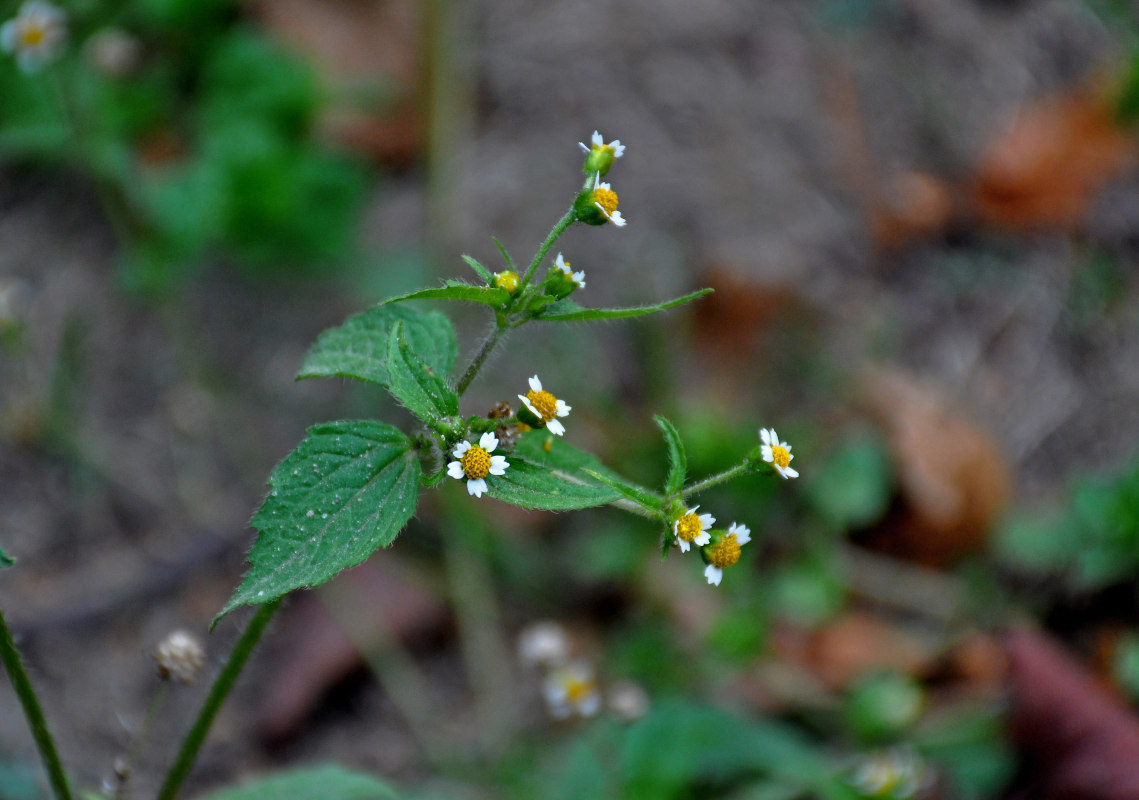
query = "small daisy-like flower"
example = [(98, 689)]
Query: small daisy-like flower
[(692, 529), (725, 552), (572, 690), (544, 644), (475, 462), (35, 35), (545, 407), (897, 774), (507, 280), (577, 277), (777, 453), (598, 143), (606, 200)]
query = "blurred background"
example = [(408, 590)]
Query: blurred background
[(921, 220)]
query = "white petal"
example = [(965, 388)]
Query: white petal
[(561, 409), (618, 148), (455, 469), (583, 147), (702, 539), (498, 465), (556, 428), (578, 278), (535, 384), (598, 139), (765, 436), (706, 521), (526, 402), (743, 535), (589, 705), (713, 574), (560, 263), (615, 217), (683, 545), (767, 453), (476, 486), (461, 449), (8, 36), (488, 441), (790, 473)]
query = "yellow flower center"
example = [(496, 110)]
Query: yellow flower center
[(577, 690), (507, 280), (780, 456), (688, 527), (544, 403), (33, 35), (606, 198), (725, 552), (476, 463)]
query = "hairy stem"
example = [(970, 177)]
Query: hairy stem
[(480, 358), (558, 229), (716, 480), (218, 693), (32, 710)]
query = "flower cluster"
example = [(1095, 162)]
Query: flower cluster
[(721, 548)]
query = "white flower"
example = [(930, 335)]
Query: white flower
[(577, 277), (571, 690), (543, 644), (691, 528), (475, 462), (606, 199), (35, 35), (545, 406), (777, 453), (725, 552), (599, 144)]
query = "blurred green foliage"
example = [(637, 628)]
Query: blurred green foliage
[(198, 135)]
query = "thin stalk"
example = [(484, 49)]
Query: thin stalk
[(135, 748), (218, 693), (716, 480), (34, 713), (480, 358), (558, 229)]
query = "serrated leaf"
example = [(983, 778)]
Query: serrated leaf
[(457, 290), (630, 491), (569, 311), (359, 348), (5, 559), (347, 490), (314, 783), (677, 459), (527, 484), (414, 384), (482, 271)]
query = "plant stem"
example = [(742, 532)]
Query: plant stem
[(480, 358), (34, 713), (558, 229), (140, 738), (218, 693), (716, 480)]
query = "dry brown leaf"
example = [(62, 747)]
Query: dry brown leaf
[(387, 603), (954, 481), (1043, 171), (1081, 742), (911, 206), (359, 45)]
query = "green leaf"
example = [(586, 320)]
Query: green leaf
[(5, 559), (329, 782), (569, 311), (553, 480), (346, 490), (854, 487), (359, 348), (677, 460), (482, 271), (457, 290), (505, 255), (414, 384), (630, 491)]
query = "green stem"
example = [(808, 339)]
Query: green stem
[(558, 229), (218, 693), (480, 358), (32, 710), (716, 480)]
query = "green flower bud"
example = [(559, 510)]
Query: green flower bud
[(560, 281), (599, 157)]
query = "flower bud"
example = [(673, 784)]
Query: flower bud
[(507, 280), (180, 656), (599, 156)]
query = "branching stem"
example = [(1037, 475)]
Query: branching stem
[(716, 480)]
